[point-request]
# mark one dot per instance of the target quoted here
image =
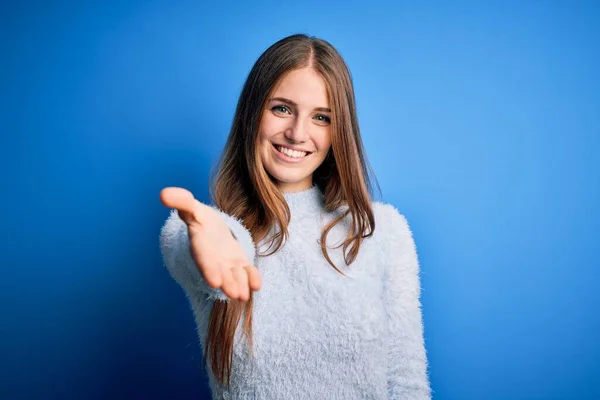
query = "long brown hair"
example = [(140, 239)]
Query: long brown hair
[(243, 188)]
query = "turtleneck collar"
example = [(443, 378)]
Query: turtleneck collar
[(310, 200)]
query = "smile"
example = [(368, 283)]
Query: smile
[(290, 155)]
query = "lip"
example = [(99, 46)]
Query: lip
[(288, 159), (291, 148)]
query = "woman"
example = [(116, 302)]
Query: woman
[(330, 304)]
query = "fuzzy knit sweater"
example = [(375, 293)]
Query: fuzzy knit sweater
[(319, 334)]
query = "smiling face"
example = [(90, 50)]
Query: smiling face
[(294, 136)]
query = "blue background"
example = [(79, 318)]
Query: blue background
[(481, 120)]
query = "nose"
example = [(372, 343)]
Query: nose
[(297, 131)]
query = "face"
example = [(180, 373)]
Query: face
[(294, 135)]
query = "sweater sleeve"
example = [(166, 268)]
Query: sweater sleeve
[(177, 257), (407, 360)]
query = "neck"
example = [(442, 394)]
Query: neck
[(293, 187), (299, 201)]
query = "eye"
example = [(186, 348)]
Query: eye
[(281, 109), (323, 118)]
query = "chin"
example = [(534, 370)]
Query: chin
[(289, 180), (284, 177)]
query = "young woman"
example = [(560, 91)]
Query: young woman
[(302, 287)]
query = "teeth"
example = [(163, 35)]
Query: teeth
[(291, 153)]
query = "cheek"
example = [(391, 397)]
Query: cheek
[(323, 140), (271, 125)]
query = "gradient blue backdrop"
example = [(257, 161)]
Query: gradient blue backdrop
[(480, 120)]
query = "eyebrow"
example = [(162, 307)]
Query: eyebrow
[(292, 103)]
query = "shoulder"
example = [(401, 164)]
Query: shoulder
[(386, 210), (391, 226), (396, 239), (389, 221), (393, 232)]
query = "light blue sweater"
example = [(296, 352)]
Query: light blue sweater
[(319, 334)]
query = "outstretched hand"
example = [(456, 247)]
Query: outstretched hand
[(218, 255)]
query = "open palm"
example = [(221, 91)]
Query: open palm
[(218, 255)]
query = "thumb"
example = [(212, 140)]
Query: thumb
[(178, 198)]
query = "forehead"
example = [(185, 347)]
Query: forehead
[(305, 86)]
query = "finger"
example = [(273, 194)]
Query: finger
[(241, 277), (254, 279), (178, 198), (230, 286), (212, 276)]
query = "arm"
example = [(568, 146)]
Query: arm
[(175, 249), (407, 359)]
